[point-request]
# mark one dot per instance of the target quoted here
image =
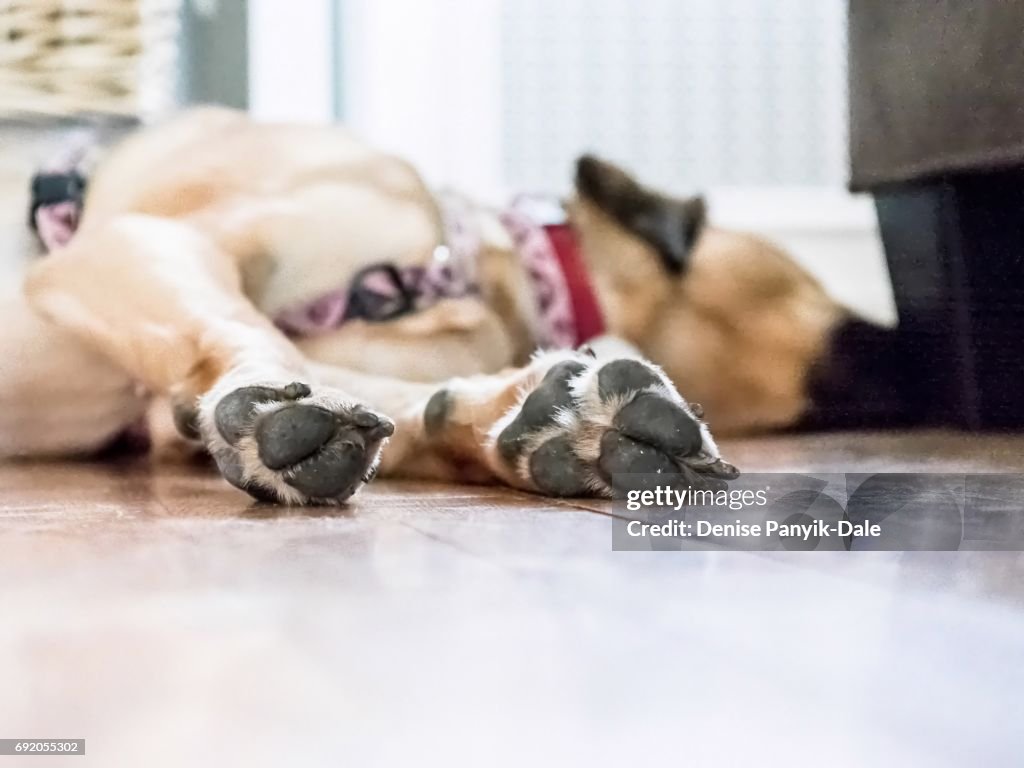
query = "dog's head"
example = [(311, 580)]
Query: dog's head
[(637, 243), (733, 319)]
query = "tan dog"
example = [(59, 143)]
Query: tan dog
[(197, 232)]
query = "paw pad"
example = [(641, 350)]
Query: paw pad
[(540, 408), (625, 425), (302, 447), (557, 470), (621, 378), (293, 433), (657, 421)]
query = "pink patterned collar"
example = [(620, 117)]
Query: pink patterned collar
[(383, 291), (58, 192)]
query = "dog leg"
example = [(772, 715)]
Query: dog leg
[(57, 396), (569, 424), (166, 304)]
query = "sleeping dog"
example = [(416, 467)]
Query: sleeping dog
[(310, 313)]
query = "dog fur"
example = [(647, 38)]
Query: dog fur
[(197, 230)]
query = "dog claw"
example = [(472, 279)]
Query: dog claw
[(723, 469), (296, 391)]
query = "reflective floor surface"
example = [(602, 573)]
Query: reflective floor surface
[(160, 616)]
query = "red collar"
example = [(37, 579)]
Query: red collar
[(585, 307)]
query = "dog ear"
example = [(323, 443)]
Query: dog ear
[(672, 228), (668, 225)]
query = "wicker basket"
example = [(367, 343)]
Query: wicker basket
[(64, 57)]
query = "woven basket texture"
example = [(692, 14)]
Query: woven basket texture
[(66, 57)]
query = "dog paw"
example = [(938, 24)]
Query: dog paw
[(591, 427), (291, 443)]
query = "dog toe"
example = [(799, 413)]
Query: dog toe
[(185, 413), (621, 455), (556, 470), (540, 409), (235, 411), (651, 418), (621, 378), (335, 471), (373, 425)]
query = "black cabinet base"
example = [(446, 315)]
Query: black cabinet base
[(955, 249)]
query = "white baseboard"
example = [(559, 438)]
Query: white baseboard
[(832, 233)]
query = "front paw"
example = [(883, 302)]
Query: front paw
[(292, 443), (593, 427)]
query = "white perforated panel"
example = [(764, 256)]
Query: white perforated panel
[(688, 93)]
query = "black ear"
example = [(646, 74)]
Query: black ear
[(670, 226)]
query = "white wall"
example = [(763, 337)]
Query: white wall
[(424, 79), (291, 60), (742, 99), (688, 93)]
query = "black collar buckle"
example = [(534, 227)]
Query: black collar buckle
[(53, 188)]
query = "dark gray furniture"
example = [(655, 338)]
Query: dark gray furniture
[(937, 136)]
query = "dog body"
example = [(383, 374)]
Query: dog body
[(198, 232)]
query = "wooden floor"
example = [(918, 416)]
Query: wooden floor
[(160, 616)]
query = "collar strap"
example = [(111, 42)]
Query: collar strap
[(386, 291), (58, 191), (56, 206), (567, 311), (585, 306), (60, 187)]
